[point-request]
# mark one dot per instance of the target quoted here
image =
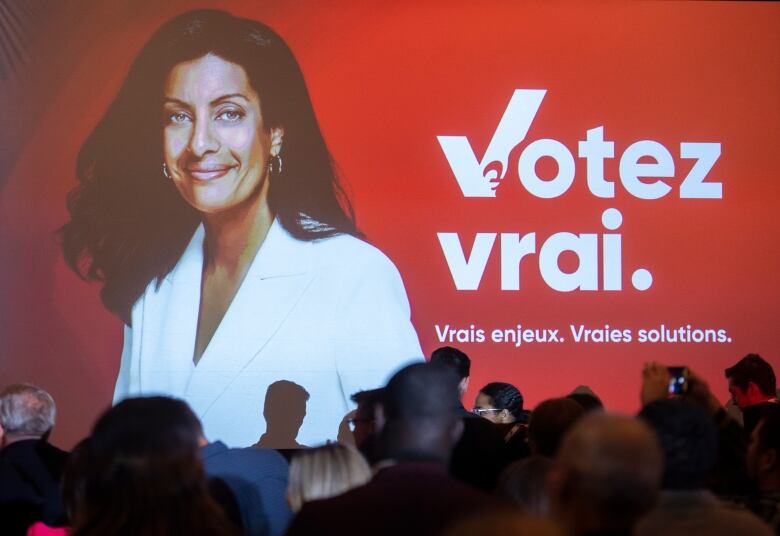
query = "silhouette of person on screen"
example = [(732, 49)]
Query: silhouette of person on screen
[(284, 411), (209, 208)]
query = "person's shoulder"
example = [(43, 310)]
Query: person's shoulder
[(252, 455), (703, 514), (344, 514), (54, 456), (350, 253), (738, 518), (347, 243)]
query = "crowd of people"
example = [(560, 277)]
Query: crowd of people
[(416, 462)]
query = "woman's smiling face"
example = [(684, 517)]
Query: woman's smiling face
[(216, 145)]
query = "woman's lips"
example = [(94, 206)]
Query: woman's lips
[(207, 173)]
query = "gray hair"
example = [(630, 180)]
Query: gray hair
[(26, 410)]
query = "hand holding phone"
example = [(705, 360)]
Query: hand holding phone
[(678, 380)]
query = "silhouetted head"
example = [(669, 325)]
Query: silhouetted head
[(456, 360), (763, 452), (550, 421), (143, 473), (418, 415), (689, 440), (524, 482), (606, 475)]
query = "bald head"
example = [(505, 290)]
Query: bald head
[(607, 474), (418, 412), (422, 390)]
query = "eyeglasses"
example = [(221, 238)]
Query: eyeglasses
[(354, 422), (480, 411)]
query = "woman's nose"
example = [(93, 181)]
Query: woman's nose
[(204, 139)]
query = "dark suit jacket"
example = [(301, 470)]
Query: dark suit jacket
[(30, 472), (478, 456), (258, 479), (409, 498)]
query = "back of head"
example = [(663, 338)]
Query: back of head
[(768, 437), (143, 474), (524, 482), (26, 412), (421, 391), (419, 410), (549, 423), (606, 475), (454, 359), (324, 472), (688, 438), (588, 401), (763, 453), (753, 368)]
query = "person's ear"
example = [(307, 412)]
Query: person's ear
[(768, 460), (277, 134), (380, 419), (556, 479), (754, 392), (463, 385), (456, 431), (2, 436)]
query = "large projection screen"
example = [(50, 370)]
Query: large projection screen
[(568, 189)]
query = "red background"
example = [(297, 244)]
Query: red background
[(386, 78)]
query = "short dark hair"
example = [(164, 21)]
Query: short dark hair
[(369, 398), (453, 358), (549, 423), (753, 368), (505, 396), (689, 439)]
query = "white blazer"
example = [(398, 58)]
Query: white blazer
[(329, 315)]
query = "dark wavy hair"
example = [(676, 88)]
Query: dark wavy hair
[(128, 224), (142, 474), (505, 396)]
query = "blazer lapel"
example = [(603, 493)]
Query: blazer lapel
[(277, 278), (169, 322)]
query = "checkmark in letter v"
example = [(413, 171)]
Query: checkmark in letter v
[(480, 179)]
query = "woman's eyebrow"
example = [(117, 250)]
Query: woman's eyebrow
[(212, 103), (229, 96), (175, 101)]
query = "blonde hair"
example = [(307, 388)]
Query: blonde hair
[(324, 472)]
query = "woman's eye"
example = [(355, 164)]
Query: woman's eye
[(231, 116), (178, 117)]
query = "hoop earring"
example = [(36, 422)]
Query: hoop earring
[(165, 171), (275, 165)]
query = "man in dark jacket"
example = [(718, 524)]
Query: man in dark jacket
[(412, 493), (30, 467)]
